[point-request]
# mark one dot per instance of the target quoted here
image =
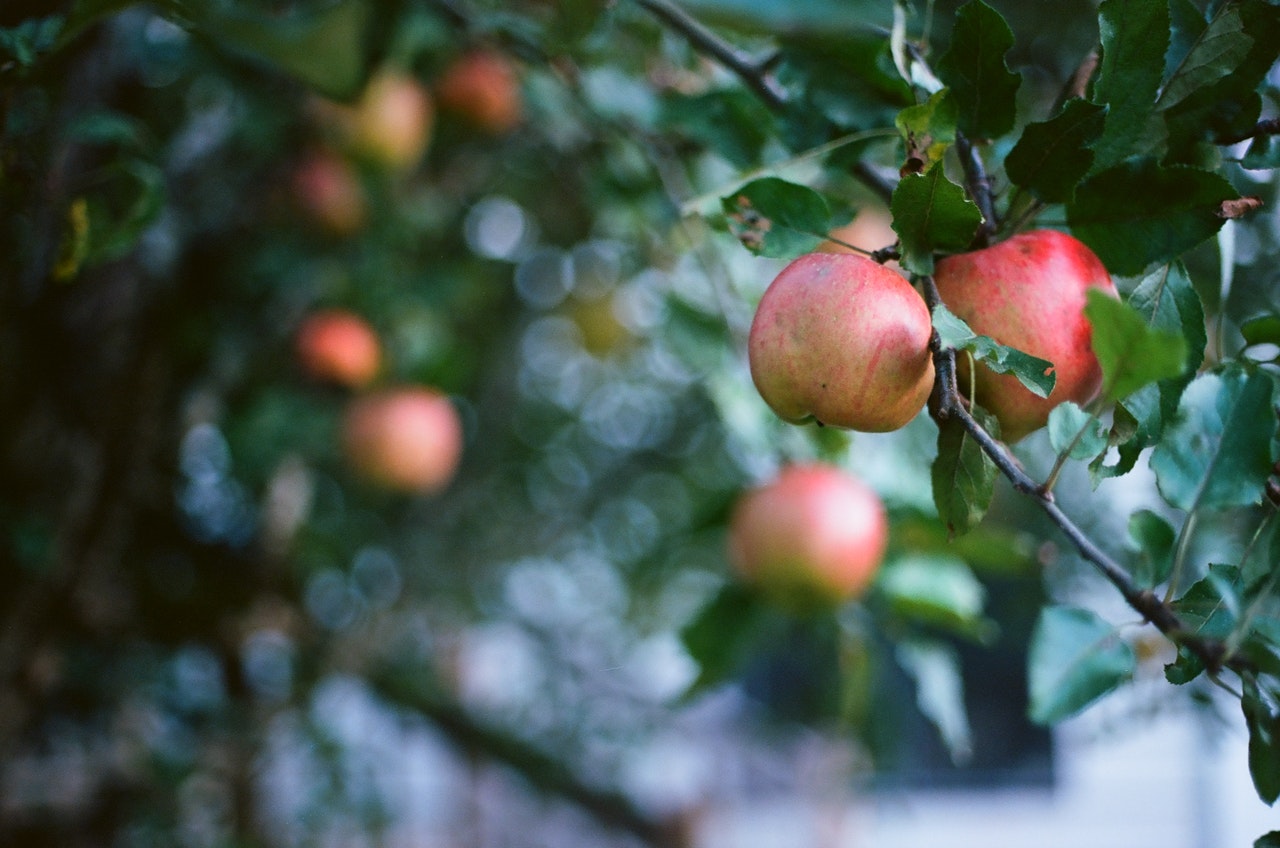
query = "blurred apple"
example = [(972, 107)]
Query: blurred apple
[(482, 86), (338, 346), (814, 533), (329, 192), (389, 126), (408, 439)]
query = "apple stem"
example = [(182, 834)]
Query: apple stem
[(946, 402)]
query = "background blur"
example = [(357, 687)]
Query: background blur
[(214, 633)]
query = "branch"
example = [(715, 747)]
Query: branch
[(1267, 126), (979, 185), (946, 402), (754, 74)]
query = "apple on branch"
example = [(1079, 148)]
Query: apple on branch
[(1028, 293), (813, 534), (843, 340)]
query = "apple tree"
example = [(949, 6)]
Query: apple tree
[(373, 373)]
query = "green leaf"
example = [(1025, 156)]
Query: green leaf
[(1131, 353), (936, 589), (731, 122), (931, 213), (1268, 840), (1140, 212), (1034, 373), (1154, 539), (1052, 156), (935, 667), (326, 50), (778, 219), (1075, 432), (1135, 36), (1218, 453), (723, 636), (928, 129), (1264, 329), (1208, 608), (1168, 301), (974, 69), (963, 476), (1263, 154), (1264, 742), (1218, 51), (1075, 658), (25, 42)]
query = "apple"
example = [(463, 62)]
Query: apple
[(1028, 292), (843, 340), (407, 438), (390, 125), (338, 346), (483, 87), (329, 192), (814, 533)]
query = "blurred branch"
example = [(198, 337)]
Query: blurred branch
[(754, 74), (1267, 126), (947, 402), (613, 809)]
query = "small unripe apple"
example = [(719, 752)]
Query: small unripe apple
[(482, 86), (392, 122), (843, 340), (329, 193), (1028, 292), (814, 533), (407, 439), (338, 346)]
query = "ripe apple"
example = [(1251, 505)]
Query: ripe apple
[(408, 438), (483, 87), (1028, 292), (338, 346), (390, 125), (814, 533), (843, 340), (329, 192)]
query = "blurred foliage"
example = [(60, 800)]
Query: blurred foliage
[(216, 633)]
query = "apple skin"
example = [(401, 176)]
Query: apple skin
[(814, 535), (1028, 292), (329, 193), (338, 346), (392, 123), (843, 340), (483, 87), (407, 439)]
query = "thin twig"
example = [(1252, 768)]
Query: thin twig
[(754, 74), (979, 185), (947, 402), (1267, 126)]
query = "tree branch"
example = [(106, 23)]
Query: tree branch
[(979, 185), (1267, 126), (947, 402), (754, 74)]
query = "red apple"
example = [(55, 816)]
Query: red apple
[(813, 533), (1028, 293), (483, 87), (338, 346), (843, 340), (407, 439), (329, 192)]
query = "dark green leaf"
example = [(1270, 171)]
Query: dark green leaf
[(1264, 742), (1262, 330), (931, 213), (1052, 156), (1263, 154), (1131, 353), (1075, 432), (1186, 27), (1168, 301), (1134, 38), (326, 50), (963, 476), (936, 589), (778, 219), (25, 42), (974, 69), (725, 633), (1218, 453), (1140, 212), (1154, 538), (1075, 658), (731, 122), (1209, 607), (1268, 840), (1034, 373), (935, 667), (1218, 50)]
